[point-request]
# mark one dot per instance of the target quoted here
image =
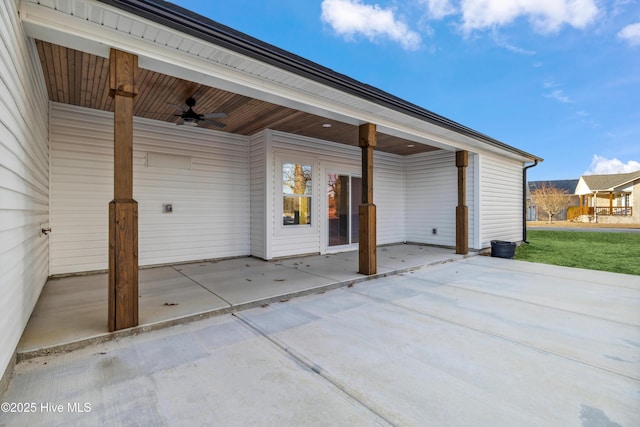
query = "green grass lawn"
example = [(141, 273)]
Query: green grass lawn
[(615, 252)]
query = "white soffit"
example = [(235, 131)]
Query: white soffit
[(95, 27)]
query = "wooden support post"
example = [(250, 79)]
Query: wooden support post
[(123, 210), (367, 211), (462, 212), (611, 203)]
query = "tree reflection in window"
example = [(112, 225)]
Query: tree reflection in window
[(296, 194)]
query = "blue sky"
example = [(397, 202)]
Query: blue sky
[(557, 78)]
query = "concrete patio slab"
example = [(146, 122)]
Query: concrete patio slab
[(52, 324), (407, 257), (596, 294), (340, 268), (72, 311), (166, 294), (412, 349), (572, 334), (247, 280)]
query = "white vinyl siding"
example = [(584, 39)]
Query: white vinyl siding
[(210, 201), (471, 202), (500, 199), (258, 191), (432, 196), (24, 180), (389, 197)]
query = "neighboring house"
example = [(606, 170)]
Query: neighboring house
[(534, 213), (610, 199), (88, 96)]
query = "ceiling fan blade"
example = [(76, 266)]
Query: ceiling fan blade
[(213, 122), (177, 107), (219, 115)]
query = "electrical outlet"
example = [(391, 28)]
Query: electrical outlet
[(434, 231), (167, 208)]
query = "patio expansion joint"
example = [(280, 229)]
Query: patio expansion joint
[(201, 285), (550, 307), (544, 274), (499, 336), (307, 363), (308, 272)]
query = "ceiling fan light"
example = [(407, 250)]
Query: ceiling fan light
[(189, 122)]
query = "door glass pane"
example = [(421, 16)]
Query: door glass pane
[(338, 197), (356, 200)]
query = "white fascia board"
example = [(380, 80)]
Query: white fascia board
[(75, 32)]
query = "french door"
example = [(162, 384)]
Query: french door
[(344, 195)]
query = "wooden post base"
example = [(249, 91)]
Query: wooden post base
[(367, 245), (462, 230), (123, 264)]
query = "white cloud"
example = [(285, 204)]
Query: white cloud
[(631, 33), (351, 17), (545, 15), (438, 9), (515, 49), (503, 42), (602, 166), (619, 7), (559, 95)]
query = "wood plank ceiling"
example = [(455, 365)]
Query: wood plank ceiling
[(79, 78)]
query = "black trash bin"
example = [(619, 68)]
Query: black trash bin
[(502, 249)]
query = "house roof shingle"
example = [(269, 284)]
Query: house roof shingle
[(609, 182)]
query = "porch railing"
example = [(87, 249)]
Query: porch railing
[(576, 211), (616, 210)]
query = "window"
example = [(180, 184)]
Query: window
[(296, 194)]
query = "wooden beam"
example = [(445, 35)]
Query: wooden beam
[(462, 212), (611, 203), (367, 254), (123, 210)]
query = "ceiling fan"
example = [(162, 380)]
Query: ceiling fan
[(189, 117)]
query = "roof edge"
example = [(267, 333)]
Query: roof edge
[(183, 20)]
